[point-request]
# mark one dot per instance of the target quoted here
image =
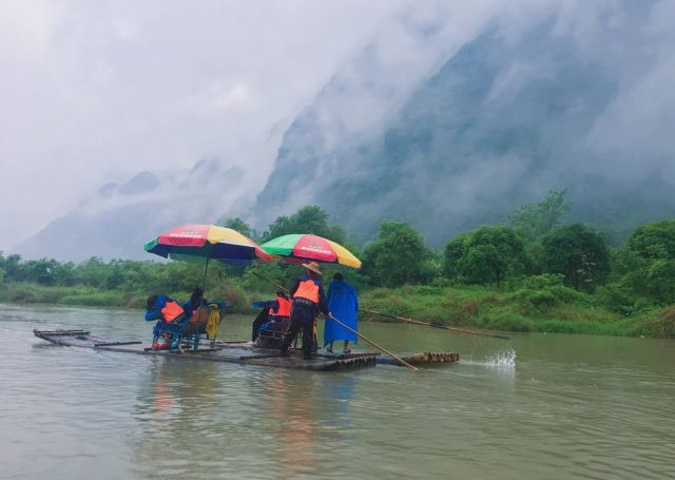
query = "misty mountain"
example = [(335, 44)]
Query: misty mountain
[(443, 121), (118, 219), (505, 119)]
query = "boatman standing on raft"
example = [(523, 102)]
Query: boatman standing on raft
[(308, 299)]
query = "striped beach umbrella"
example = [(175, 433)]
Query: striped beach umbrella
[(201, 243), (300, 248)]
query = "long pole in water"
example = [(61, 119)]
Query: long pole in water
[(452, 329), (362, 337)]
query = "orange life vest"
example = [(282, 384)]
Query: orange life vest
[(309, 290), (171, 311), (284, 309)]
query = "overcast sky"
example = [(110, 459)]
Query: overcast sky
[(94, 91)]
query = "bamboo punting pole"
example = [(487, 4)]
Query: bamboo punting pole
[(362, 337), (274, 284), (417, 322), (395, 357)]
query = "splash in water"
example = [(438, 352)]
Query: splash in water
[(501, 358)]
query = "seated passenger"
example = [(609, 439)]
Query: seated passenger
[(262, 319), (280, 309), (168, 312), (274, 311), (196, 301)]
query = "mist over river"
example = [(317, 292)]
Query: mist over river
[(533, 407)]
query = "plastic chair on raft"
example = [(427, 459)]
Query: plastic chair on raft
[(271, 334), (187, 331)]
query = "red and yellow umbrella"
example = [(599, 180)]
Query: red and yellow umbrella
[(200, 243), (300, 248)]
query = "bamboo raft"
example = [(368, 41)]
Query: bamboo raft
[(241, 353), (417, 359)]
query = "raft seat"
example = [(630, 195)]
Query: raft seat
[(271, 334), (189, 331)]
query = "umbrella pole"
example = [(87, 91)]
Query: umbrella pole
[(206, 268)]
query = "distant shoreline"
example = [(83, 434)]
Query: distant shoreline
[(469, 307)]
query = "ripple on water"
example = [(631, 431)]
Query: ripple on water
[(74, 413)]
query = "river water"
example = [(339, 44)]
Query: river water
[(533, 407)]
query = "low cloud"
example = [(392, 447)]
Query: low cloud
[(97, 91)]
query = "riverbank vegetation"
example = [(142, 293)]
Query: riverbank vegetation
[(534, 272)]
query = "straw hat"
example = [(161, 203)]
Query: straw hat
[(313, 267)]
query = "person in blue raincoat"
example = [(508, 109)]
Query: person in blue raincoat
[(343, 304)]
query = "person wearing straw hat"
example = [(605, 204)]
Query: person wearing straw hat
[(308, 299)]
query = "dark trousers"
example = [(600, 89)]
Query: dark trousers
[(302, 317)]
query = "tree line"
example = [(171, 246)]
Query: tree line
[(534, 246)]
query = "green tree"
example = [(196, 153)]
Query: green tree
[(43, 271), (537, 219), (490, 254), (13, 268), (659, 278), (310, 219), (577, 252), (92, 273), (654, 240), (453, 254), (397, 257), (648, 261)]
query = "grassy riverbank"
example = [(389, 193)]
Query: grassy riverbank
[(555, 309), (521, 310), (31, 293)]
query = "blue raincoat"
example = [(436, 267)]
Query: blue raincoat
[(343, 303)]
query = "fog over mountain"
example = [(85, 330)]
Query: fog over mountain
[(117, 220), (578, 98), (448, 116)]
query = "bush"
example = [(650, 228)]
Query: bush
[(546, 280), (540, 299), (99, 299), (617, 299), (664, 325), (236, 299)]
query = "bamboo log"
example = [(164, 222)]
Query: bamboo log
[(114, 344), (60, 333), (452, 329)]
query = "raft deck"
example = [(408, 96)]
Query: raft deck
[(233, 353), (243, 353), (416, 359)]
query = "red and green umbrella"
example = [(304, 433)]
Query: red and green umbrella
[(200, 243), (300, 248)]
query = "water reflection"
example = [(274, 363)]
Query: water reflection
[(312, 413), (339, 391), (571, 407), (173, 406), (196, 415), (294, 409)]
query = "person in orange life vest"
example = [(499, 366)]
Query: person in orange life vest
[(166, 311), (308, 299), (280, 308)]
